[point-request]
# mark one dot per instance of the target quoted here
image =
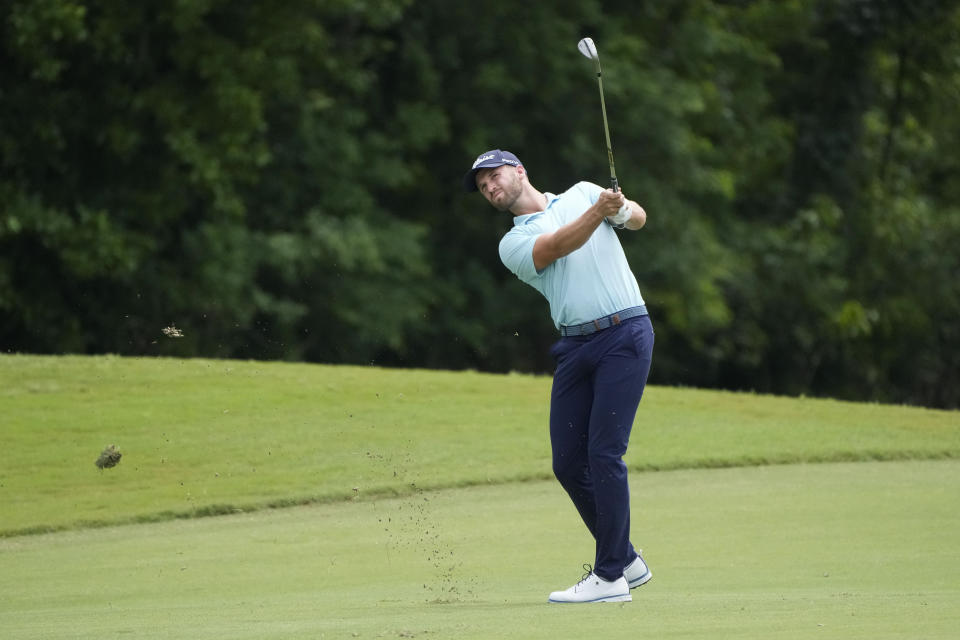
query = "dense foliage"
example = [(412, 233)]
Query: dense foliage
[(281, 180)]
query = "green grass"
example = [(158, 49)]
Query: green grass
[(420, 504), (841, 550), (202, 437)]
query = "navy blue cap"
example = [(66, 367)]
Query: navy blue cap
[(488, 160)]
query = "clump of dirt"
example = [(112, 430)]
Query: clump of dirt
[(109, 457)]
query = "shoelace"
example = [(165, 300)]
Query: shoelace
[(588, 569)]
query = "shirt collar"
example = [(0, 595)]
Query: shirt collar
[(530, 217)]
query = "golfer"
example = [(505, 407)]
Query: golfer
[(565, 246)]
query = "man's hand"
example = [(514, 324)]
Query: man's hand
[(629, 215), (610, 202), (621, 217)]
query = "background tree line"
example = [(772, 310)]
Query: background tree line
[(282, 180)]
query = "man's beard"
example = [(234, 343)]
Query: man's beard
[(511, 193)]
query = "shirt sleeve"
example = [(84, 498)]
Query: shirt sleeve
[(590, 191), (516, 253)]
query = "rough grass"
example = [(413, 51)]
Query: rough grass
[(209, 437)]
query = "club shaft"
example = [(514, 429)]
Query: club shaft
[(606, 130)]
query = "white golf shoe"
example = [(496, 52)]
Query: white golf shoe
[(593, 588), (637, 572)]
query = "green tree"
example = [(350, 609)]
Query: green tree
[(157, 159), (846, 297), (283, 181)]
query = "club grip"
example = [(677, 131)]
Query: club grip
[(614, 184)]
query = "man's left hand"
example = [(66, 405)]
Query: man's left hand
[(621, 217)]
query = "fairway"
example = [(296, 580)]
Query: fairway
[(847, 550)]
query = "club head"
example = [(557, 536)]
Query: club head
[(588, 49)]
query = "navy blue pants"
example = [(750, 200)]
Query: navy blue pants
[(597, 387)]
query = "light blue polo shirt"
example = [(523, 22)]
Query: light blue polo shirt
[(592, 282)]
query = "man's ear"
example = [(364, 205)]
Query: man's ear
[(521, 172)]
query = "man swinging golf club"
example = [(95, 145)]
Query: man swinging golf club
[(565, 247)]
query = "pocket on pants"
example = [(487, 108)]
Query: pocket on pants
[(562, 347), (642, 337)]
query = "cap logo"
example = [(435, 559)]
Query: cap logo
[(483, 158)]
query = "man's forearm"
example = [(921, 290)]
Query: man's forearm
[(552, 246)]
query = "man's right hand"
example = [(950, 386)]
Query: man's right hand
[(610, 202)]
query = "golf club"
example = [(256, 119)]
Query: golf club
[(589, 49)]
